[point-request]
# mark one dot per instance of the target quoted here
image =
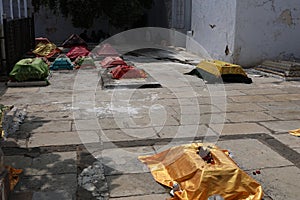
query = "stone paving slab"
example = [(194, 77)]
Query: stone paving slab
[(12, 90), (280, 183), (241, 107), (21, 196), (250, 99), (196, 109), (177, 102), (280, 106), (249, 117), (60, 194), (128, 134), (125, 160), (124, 123), (46, 127), (239, 128), (297, 149), (284, 97), (48, 183), (251, 154), (289, 140), (210, 118), (296, 102), (129, 123), (145, 197), (264, 91), (134, 185), (291, 87), (189, 119), (86, 125), (183, 131), (18, 162), (34, 108), (281, 126), (203, 100), (286, 115), (49, 139), (48, 116), (54, 163)]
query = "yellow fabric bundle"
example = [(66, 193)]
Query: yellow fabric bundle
[(199, 179), (219, 68)]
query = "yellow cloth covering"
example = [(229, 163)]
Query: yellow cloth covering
[(219, 68), (198, 179), (295, 132), (45, 50)]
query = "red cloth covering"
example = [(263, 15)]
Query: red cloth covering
[(112, 62), (124, 71), (78, 51), (106, 50)]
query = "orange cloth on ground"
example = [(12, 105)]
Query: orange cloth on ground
[(13, 176), (200, 180)]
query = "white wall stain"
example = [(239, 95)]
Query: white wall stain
[(266, 30)]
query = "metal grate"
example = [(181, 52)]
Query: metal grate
[(19, 39)]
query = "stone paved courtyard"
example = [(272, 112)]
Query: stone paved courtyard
[(68, 129)]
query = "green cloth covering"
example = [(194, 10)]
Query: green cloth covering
[(30, 69), (79, 61), (88, 61), (84, 61)]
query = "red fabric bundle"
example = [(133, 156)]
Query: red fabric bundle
[(112, 62), (78, 51), (124, 71), (106, 50)]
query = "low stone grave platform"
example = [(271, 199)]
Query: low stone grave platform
[(135, 83), (288, 70)]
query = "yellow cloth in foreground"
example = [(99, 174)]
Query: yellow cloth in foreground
[(219, 68), (295, 132), (200, 180)]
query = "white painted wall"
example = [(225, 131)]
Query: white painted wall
[(267, 29), (220, 13)]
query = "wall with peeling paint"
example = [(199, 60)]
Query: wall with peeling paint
[(267, 29), (213, 27)]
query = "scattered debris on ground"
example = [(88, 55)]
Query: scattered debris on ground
[(93, 180), (10, 120)]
